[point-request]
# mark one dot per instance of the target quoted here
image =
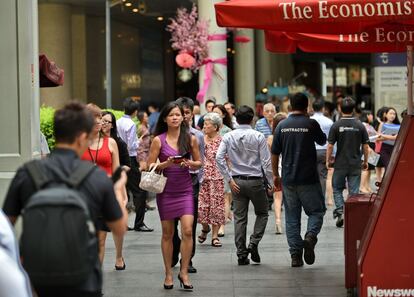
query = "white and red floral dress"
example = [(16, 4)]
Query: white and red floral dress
[(211, 208)]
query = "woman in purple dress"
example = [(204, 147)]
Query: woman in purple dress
[(173, 146)]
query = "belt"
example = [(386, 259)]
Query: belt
[(247, 177)]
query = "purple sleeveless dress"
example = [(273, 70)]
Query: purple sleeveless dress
[(177, 198)]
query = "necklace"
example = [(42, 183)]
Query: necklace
[(95, 161), (211, 139)]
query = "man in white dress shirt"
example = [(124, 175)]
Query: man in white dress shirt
[(127, 130), (326, 124)]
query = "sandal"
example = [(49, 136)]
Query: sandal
[(201, 238), (215, 242)]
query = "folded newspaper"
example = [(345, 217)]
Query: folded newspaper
[(373, 158)]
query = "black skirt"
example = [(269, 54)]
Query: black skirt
[(385, 153), (101, 225)]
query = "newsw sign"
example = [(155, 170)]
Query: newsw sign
[(377, 292)]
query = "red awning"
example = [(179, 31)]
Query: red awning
[(314, 16), (377, 41)]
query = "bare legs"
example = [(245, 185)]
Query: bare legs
[(277, 196), (215, 230), (186, 248), (365, 181), (167, 249), (101, 240), (379, 171), (119, 242), (329, 190), (227, 204), (229, 215), (118, 246)]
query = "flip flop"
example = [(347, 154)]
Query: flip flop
[(215, 242), (201, 239)]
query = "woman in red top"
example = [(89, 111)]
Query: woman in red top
[(103, 152)]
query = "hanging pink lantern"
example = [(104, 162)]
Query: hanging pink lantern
[(185, 60), (242, 39)]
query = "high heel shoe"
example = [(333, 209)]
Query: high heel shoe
[(121, 267), (278, 227), (168, 287), (186, 287)]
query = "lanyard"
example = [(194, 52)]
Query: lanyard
[(95, 161)]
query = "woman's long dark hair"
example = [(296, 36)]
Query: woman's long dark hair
[(364, 116), (113, 132), (227, 119), (396, 120), (184, 140)]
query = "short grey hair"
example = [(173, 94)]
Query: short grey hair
[(214, 118), (269, 106)]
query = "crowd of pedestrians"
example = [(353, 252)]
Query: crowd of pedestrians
[(215, 165)]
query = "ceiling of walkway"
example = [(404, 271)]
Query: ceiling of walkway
[(135, 12)]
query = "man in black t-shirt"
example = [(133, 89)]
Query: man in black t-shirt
[(72, 126), (349, 134), (295, 139)]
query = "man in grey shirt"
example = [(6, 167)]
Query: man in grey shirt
[(249, 155)]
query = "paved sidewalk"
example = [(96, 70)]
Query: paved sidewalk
[(218, 272)]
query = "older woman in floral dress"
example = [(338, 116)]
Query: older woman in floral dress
[(211, 210)]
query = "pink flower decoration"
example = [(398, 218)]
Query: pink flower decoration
[(190, 35)]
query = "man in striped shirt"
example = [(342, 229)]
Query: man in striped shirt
[(264, 125)]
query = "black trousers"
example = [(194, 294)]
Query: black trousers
[(176, 238), (139, 196), (322, 171)]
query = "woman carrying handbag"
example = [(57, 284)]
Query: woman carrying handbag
[(173, 146)]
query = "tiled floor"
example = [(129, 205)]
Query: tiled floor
[(218, 272)]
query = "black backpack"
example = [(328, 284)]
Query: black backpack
[(58, 244)]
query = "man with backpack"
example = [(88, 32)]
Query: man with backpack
[(61, 200)]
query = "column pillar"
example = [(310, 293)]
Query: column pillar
[(55, 40), (217, 50), (79, 76), (263, 61), (244, 82), (19, 82)]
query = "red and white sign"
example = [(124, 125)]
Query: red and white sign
[(376, 40), (312, 16)]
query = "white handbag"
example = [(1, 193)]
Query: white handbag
[(152, 181)]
